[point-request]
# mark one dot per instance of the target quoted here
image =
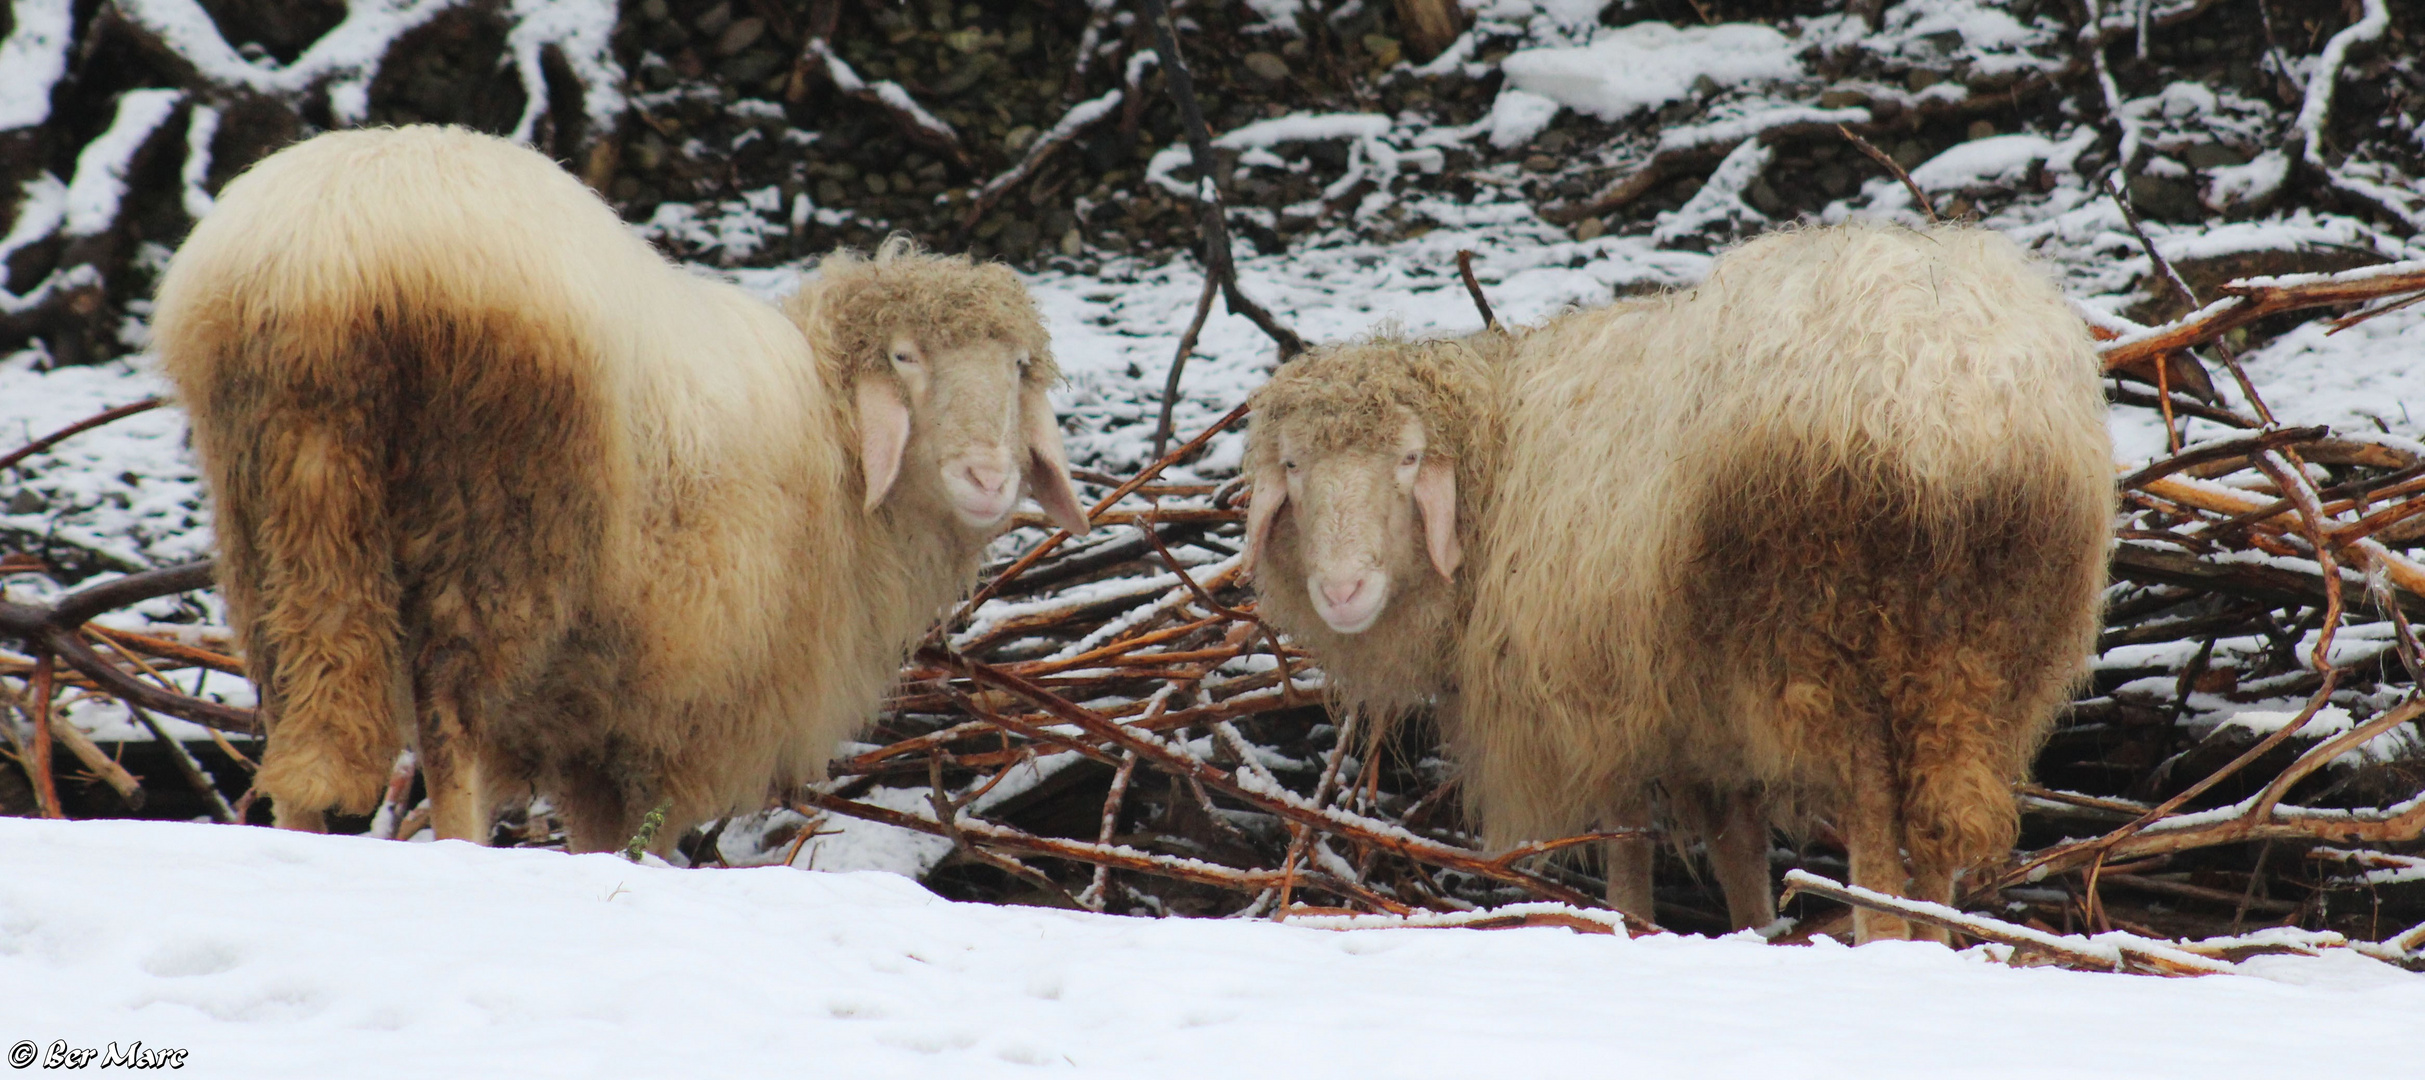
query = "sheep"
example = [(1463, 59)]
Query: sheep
[(494, 480), (1821, 538)]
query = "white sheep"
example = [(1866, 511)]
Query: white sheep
[(1823, 537), (494, 480)]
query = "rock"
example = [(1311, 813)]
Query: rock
[(1018, 238), (1266, 66), (1763, 197), (1384, 50), (2158, 197), (742, 34), (1981, 129), (1921, 79), (1590, 228), (1541, 163), (1842, 99), (713, 21), (26, 501), (877, 184), (1704, 86), (1018, 138), (1910, 153), (2212, 156), (1835, 179), (654, 10), (751, 67), (1072, 243)]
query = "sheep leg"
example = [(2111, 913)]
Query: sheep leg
[(1873, 839), (596, 816), (1629, 860), (1738, 855), (453, 770)]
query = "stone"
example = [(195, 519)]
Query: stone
[(1266, 66), (1384, 50), (877, 184), (1072, 243), (654, 10), (1541, 163), (1842, 99), (1910, 153), (1981, 129), (1921, 79), (1590, 228), (742, 34), (713, 21), (2158, 197), (2209, 155), (1018, 138)]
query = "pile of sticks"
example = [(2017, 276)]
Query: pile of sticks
[(1166, 752)]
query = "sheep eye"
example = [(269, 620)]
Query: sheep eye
[(902, 356), (1411, 458), (1289, 465), (1023, 363)]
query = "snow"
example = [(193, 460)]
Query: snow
[(32, 59), (2330, 721), (269, 954), (1628, 69), (348, 53), (579, 29), (101, 167), (1999, 159)]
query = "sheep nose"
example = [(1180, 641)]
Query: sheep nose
[(989, 480), (1342, 593)]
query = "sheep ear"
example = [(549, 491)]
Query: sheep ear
[(1436, 497), (1048, 467), (883, 435), (1271, 493)]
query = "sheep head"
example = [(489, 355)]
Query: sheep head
[(1355, 457), (947, 364)]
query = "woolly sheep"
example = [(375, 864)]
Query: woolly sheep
[(495, 480), (1823, 537)]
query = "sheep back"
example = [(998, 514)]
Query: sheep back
[(473, 445)]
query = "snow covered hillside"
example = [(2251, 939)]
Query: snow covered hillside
[(269, 955)]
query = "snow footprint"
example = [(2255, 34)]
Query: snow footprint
[(190, 959)]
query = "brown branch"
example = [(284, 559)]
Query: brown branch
[(1213, 215), (1473, 288), (1881, 157), (79, 427), (2112, 952), (1037, 553), (1178, 362), (1280, 804), (2248, 301)]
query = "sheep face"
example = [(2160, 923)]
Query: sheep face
[(1354, 513), (948, 366), (967, 424)]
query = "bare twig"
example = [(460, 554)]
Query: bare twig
[(79, 427), (1178, 362), (1213, 215), (1883, 158), (1473, 288)]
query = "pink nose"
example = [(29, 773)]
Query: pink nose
[(987, 479), (1342, 593)]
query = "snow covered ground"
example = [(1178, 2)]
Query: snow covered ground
[(265, 954)]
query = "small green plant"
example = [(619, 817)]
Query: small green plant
[(648, 832)]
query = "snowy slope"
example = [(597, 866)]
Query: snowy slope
[(267, 954)]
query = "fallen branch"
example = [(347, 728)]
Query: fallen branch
[(2113, 951)]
